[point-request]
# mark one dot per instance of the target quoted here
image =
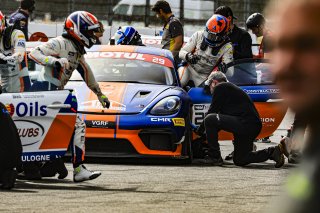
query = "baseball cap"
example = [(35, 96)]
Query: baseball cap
[(225, 11)]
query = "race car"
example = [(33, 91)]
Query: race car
[(44, 120), (255, 78), (149, 115)]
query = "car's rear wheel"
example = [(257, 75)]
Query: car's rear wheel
[(186, 146)]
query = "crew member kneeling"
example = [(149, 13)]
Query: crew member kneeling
[(233, 111)]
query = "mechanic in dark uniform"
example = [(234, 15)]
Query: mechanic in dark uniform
[(22, 16), (241, 39), (172, 37), (233, 111)]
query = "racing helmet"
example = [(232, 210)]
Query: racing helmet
[(255, 20), (216, 31), (2, 22), (127, 35), (82, 25)]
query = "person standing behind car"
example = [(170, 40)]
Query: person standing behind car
[(172, 37), (205, 51), (21, 16), (61, 56), (241, 39), (13, 58), (257, 24)]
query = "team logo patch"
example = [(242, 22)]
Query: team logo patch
[(178, 122)]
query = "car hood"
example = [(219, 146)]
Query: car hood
[(125, 98)]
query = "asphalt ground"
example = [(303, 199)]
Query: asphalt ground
[(157, 188)]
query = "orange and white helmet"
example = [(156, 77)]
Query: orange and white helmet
[(216, 31), (2, 22), (82, 25)]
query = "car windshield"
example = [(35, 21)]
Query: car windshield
[(129, 67), (251, 73)]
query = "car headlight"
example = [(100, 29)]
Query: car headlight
[(167, 106)]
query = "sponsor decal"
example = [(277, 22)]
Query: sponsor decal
[(32, 96), (21, 44), (164, 120), (100, 124), (150, 41), (35, 158), (268, 120), (30, 109), (16, 96), (178, 122), (132, 56), (21, 37), (30, 132), (10, 108), (200, 107), (261, 91)]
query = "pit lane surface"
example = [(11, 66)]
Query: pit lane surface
[(156, 188)]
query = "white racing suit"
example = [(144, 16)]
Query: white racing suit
[(199, 72), (47, 54), (13, 62)]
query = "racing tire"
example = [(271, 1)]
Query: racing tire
[(186, 146)]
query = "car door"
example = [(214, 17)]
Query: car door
[(45, 121), (255, 78)]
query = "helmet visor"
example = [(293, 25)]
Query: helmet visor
[(212, 36)]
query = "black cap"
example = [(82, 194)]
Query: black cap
[(255, 20), (27, 5), (225, 11), (161, 4)]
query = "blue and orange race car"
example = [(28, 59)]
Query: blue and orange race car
[(150, 114)]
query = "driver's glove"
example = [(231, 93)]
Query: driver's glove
[(104, 100), (61, 63), (192, 59)]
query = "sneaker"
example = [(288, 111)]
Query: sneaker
[(207, 160), (277, 156), (284, 144), (230, 156), (8, 179), (82, 174)]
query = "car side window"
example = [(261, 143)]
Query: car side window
[(250, 73)]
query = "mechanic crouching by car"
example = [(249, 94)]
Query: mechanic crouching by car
[(13, 60), (205, 51), (61, 56), (233, 111)]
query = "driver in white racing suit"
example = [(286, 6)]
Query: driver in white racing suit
[(205, 51), (61, 56), (13, 60)]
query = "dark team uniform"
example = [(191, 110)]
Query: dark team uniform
[(171, 29), (232, 110), (241, 42)]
